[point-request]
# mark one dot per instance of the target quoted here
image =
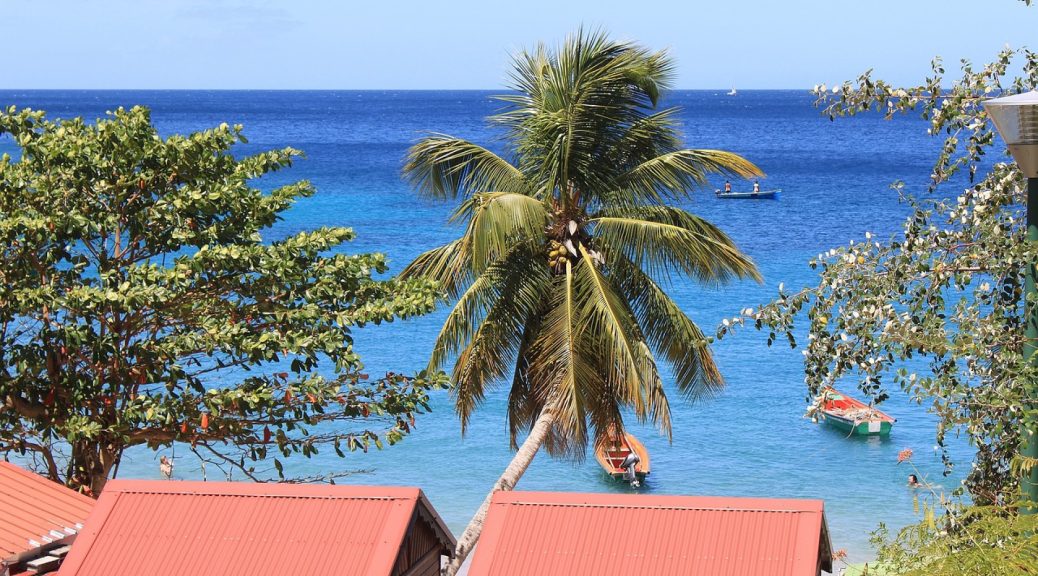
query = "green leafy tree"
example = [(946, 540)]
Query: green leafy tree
[(557, 275), (140, 306), (946, 294)]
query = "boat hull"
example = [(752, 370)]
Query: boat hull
[(762, 195), (859, 428)]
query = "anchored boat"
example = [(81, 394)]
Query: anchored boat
[(762, 195), (851, 415), (624, 458)]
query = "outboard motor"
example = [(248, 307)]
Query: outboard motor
[(627, 466)]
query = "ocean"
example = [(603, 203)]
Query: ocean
[(752, 440)]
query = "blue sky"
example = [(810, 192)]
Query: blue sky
[(321, 44)]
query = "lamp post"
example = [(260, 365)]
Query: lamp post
[(1016, 118)]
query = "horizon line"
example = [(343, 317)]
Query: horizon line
[(3, 89)]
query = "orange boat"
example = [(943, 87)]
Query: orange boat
[(612, 455)]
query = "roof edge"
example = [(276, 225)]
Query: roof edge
[(45, 481), (264, 489), (657, 501), (826, 545), (438, 523)]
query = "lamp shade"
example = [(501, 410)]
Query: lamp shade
[(1016, 118)]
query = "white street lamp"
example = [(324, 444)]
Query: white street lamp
[(1016, 118)]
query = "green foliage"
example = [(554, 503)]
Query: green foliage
[(556, 275), (955, 539), (963, 542), (139, 305)]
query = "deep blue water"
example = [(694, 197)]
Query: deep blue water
[(751, 440)]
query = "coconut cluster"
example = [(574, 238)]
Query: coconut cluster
[(567, 235)]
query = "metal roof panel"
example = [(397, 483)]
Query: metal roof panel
[(549, 533), (229, 528), (34, 508)]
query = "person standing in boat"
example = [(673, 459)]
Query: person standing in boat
[(727, 187), (756, 186)]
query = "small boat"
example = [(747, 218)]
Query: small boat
[(612, 455), (762, 195), (733, 92), (851, 415)]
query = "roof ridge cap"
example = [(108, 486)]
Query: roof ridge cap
[(266, 495), (657, 506)]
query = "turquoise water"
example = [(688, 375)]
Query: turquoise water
[(751, 440)]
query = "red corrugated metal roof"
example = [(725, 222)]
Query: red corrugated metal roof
[(165, 528), (559, 533), (35, 511)]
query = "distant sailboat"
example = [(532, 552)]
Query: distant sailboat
[(733, 92)]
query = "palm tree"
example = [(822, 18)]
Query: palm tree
[(557, 275)]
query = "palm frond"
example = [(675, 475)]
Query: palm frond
[(646, 138), (524, 406), (449, 265), (663, 239), (605, 414), (669, 331), (444, 167), (575, 103), (490, 325), (513, 283), (652, 74), (659, 405), (496, 222), (675, 174), (612, 334), (560, 368), (465, 317)]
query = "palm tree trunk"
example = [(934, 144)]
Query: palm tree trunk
[(520, 462)]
